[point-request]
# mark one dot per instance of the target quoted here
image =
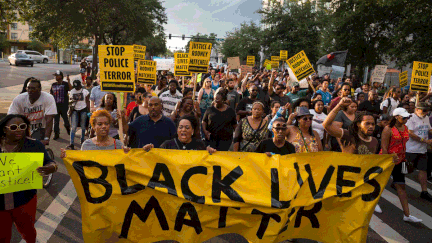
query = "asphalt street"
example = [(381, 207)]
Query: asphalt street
[(59, 213), (13, 75)]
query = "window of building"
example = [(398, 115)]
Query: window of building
[(14, 36), (30, 28), (14, 49), (14, 26)]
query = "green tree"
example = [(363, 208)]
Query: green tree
[(203, 38), (4, 43), (7, 14), (155, 45), (36, 46), (244, 41)]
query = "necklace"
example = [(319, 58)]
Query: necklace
[(3, 145)]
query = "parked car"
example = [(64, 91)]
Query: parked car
[(36, 56), (20, 59), (89, 59)]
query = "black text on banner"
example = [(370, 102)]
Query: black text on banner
[(300, 65), (199, 57), (181, 64), (420, 76), (146, 72)]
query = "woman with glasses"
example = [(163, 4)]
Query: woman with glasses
[(345, 91), (19, 208), (142, 108), (278, 144), (206, 95), (301, 135)]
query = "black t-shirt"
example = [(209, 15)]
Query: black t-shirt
[(220, 123), (369, 107), (283, 100), (269, 146), (195, 144)]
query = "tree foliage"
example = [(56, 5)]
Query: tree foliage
[(7, 14), (36, 46), (244, 41)]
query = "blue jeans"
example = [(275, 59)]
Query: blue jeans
[(78, 117)]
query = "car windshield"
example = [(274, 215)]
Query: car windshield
[(20, 55)]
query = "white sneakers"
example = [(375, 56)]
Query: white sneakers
[(411, 219), (378, 209)]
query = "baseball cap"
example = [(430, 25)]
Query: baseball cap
[(401, 112), (58, 72)]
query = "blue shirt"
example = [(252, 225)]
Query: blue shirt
[(143, 131), (326, 96)]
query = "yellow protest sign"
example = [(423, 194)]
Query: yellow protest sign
[(403, 79), (275, 58), (420, 76), (18, 171), (283, 55), (300, 65), (274, 64), (199, 57), (267, 64), (181, 62), (250, 61), (139, 52), (191, 196), (146, 72), (117, 71)]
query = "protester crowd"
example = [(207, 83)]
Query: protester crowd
[(263, 111)]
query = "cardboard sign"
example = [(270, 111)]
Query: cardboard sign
[(233, 62), (275, 59), (250, 61), (199, 57), (147, 72), (18, 171), (245, 69), (189, 196), (420, 76), (379, 73), (283, 55), (117, 71), (323, 70), (337, 72), (403, 79), (139, 52), (181, 63), (300, 65)]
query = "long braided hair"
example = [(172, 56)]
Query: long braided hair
[(354, 128)]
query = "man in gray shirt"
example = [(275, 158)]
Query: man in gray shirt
[(233, 96)]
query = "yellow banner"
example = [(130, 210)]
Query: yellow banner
[(117, 71), (403, 79), (283, 55), (139, 52), (275, 58), (250, 61), (146, 72), (199, 57), (420, 76), (191, 196), (18, 171), (181, 63), (300, 65)]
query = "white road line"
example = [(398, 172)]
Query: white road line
[(415, 185), (53, 215), (385, 231), (392, 198)]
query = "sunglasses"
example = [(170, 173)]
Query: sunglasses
[(254, 90), (307, 118), (15, 127)]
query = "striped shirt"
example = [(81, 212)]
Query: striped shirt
[(169, 101)]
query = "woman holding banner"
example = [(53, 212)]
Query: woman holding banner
[(20, 207)]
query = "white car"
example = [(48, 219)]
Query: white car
[(35, 56)]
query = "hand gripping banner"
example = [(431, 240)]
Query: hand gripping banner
[(191, 196)]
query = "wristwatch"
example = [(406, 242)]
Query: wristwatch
[(46, 139)]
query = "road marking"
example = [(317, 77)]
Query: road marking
[(392, 198), (414, 185), (385, 231), (53, 215)]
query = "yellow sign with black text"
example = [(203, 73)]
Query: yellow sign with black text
[(117, 71), (403, 79), (192, 196), (147, 72), (181, 63), (250, 61), (300, 65), (139, 52), (420, 76), (283, 55), (199, 57), (275, 59)]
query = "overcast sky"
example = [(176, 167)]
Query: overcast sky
[(207, 16)]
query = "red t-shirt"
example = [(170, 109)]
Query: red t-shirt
[(130, 107), (398, 142)]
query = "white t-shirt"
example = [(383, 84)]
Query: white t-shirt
[(79, 95), (169, 101), (394, 104), (421, 128), (35, 112), (317, 122)]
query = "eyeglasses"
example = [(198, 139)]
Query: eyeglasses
[(307, 118), (15, 127)]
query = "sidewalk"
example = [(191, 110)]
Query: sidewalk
[(7, 94)]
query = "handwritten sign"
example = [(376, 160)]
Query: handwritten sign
[(146, 72), (245, 69), (403, 79), (139, 52), (283, 55), (250, 61), (233, 62), (18, 171), (199, 57), (181, 63), (300, 65), (420, 76), (379, 74), (117, 71)]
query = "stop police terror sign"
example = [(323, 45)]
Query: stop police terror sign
[(117, 69)]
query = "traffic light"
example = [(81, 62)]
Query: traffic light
[(169, 36), (183, 37)]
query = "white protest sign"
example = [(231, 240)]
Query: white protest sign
[(379, 73), (337, 72)]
